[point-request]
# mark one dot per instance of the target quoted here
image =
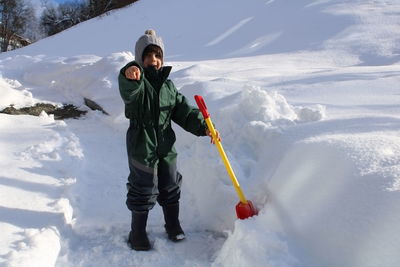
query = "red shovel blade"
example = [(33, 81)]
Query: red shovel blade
[(244, 211)]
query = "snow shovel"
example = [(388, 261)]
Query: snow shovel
[(245, 208)]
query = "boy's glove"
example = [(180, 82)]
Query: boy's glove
[(133, 73), (208, 133)]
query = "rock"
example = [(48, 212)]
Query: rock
[(94, 106), (65, 112)]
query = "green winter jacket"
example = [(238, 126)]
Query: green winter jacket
[(150, 105)]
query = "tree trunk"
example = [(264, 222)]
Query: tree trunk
[(4, 44)]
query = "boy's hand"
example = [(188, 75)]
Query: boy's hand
[(133, 73), (210, 135)]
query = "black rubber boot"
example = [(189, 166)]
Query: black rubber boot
[(138, 239), (172, 225)]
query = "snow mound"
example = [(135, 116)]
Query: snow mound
[(375, 153), (69, 80), (12, 93), (53, 149), (258, 113), (258, 105), (341, 203), (312, 113), (242, 248), (251, 121), (40, 248)]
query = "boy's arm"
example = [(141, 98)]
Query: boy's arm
[(129, 88), (188, 117)]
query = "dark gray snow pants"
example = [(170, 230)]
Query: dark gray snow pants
[(147, 186)]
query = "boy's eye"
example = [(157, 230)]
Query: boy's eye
[(157, 55)]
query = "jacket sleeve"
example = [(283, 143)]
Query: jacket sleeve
[(130, 89), (188, 117)]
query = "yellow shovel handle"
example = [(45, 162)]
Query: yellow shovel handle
[(226, 162), (232, 176)]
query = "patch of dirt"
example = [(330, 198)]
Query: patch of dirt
[(67, 111)]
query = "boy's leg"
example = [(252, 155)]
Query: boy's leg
[(141, 197), (169, 184), (142, 180), (142, 187), (169, 181), (142, 193)]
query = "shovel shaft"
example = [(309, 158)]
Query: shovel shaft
[(228, 167)]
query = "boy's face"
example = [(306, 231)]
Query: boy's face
[(152, 59)]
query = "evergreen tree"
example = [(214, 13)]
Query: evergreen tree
[(66, 15), (98, 7), (32, 29), (49, 20)]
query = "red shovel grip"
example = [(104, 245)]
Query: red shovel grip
[(202, 106)]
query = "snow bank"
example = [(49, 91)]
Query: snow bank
[(251, 29), (301, 177), (13, 94), (243, 247), (70, 80), (40, 248), (344, 207), (38, 158)]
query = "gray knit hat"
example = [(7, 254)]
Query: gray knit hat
[(149, 38)]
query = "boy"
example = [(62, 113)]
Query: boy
[(151, 102)]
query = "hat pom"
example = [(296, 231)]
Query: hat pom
[(150, 32)]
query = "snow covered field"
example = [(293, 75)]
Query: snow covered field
[(305, 94)]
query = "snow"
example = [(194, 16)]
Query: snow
[(305, 96)]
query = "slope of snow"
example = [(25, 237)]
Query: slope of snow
[(306, 99), (225, 29)]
